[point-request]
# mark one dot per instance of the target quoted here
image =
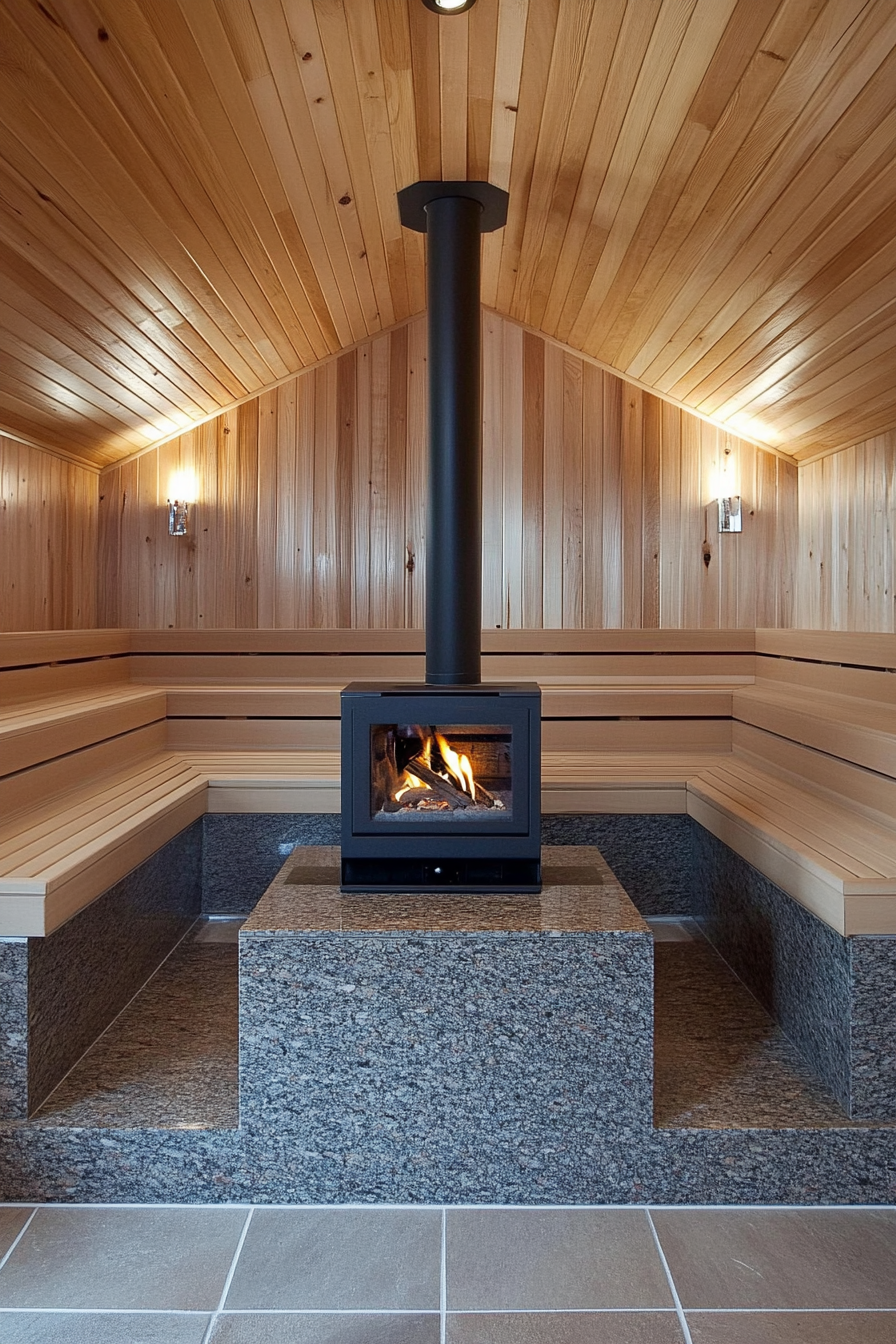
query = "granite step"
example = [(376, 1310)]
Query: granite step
[(169, 1060), (720, 1061)]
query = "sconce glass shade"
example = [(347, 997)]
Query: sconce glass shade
[(730, 515), (449, 6), (178, 518)]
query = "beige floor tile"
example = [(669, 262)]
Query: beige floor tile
[(564, 1327), (796, 1258), (552, 1259), (151, 1259), (64, 1327), (339, 1259), (327, 1328), (801, 1327)]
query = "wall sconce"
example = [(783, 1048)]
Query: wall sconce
[(181, 488), (178, 518), (730, 515)]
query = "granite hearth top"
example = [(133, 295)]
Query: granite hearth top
[(580, 895)]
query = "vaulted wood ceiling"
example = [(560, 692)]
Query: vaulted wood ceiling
[(197, 199)]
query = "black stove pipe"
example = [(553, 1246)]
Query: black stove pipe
[(453, 215), (454, 509)]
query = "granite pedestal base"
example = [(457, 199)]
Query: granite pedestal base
[(448, 1047)]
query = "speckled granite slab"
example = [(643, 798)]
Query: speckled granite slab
[(595, 903), (480, 1041)]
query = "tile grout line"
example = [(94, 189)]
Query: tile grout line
[(206, 1338), (23, 1229), (443, 1279), (682, 1320)]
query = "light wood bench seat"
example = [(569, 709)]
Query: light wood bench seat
[(57, 857), (53, 725), (830, 856)]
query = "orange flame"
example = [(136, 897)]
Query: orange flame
[(458, 765)]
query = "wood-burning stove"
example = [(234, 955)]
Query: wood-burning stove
[(441, 783), (441, 788)]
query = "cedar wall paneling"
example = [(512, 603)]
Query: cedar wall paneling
[(311, 503), (48, 541), (847, 560)]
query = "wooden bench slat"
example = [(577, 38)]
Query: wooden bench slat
[(817, 811), (818, 832), (86, 814)]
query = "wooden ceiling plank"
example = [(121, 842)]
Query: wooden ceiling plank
[(863, 342), (541, 25), (789, 129), (761, 316), (37, 312), (41, 350), (370, 81), (25, 371), (115, 150), (714, 103), (847, 306), (110, 292), (273, 194), (304, 91), (839, 432), (483, 45), (35, 152), (233, 162), (55, 420), (747, 372), (509, 47), (859, 386), (582, 242), (570, 107), (793, 245), (454, 48), (424, 33), (621, 206), (762, 74), (337, 52), (604, 35), (398, 80)]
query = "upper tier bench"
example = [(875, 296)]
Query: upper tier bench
[(664, 721)]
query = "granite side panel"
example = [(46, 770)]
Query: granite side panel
[(244, 851), (447, 1068), (651, 854), (82, 975), (856, 1166), (873, 1044), (13, 1028), (797, 966)]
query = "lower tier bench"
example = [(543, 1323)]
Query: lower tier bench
[(829, 856)]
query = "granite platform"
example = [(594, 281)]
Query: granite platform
[(396, 1049)]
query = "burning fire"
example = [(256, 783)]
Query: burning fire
[(459, 767), (438, 760)]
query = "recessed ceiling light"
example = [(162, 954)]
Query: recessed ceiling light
[(449, 6)]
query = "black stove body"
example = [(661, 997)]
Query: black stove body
[(441, 783), (413, 818)]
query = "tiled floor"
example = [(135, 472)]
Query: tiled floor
[(350, 1275)]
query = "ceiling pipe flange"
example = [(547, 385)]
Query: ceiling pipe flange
[(413, 200)]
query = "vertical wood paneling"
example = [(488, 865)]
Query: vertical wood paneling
[(597, 504), (48, 541), (846, 569)]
